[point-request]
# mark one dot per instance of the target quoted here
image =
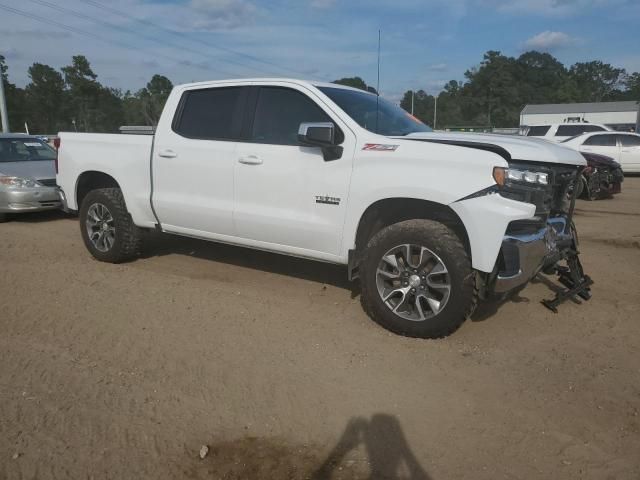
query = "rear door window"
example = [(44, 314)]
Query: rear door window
[(629, 140), (210, 114), (601, 140)]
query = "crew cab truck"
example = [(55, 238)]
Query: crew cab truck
[(428, 222)]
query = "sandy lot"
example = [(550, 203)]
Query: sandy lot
[(125, 371)]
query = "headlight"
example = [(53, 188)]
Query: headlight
[(17, 182), (504, 175)]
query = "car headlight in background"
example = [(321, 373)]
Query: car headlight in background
[(17, 182), (504, 175)]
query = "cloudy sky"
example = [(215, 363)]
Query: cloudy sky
[(424, 43)]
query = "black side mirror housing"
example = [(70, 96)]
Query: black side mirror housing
[(320, 134)]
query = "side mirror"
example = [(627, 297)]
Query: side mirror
[(320, 134)]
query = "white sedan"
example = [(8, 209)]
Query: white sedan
[(624, 148)]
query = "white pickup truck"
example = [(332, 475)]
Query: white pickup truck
[(428, 222)]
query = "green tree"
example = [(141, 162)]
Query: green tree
[(153, 97), (94, 108), (45, 99), (543, 79), (631, 87), (423, 105), (15, 99), (132, 109), (355, 82), (597, 81), (494, 91)]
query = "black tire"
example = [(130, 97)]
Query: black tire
[(442, 241), (127, 242), (4, 217)]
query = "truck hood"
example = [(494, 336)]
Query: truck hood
[(510, 147)]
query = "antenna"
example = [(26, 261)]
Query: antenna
[(378, 85)]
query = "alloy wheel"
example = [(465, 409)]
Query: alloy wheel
[(413, 282), (100, 227)]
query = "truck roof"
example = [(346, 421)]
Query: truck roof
[(307, 83)]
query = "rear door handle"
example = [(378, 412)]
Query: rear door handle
[(250, 160), (168, 153)]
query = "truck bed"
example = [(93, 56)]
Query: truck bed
[(126, 158)]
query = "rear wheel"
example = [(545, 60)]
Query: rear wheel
[(107, 228), (417, 279)]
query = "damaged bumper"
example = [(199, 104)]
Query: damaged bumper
[(527, 249)]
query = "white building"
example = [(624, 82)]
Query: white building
[(618, 115)]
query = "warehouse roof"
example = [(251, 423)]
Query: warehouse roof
[(631, 106)]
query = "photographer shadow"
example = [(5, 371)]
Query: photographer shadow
[(389, 455)]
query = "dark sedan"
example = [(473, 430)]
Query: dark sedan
[(601, 178)]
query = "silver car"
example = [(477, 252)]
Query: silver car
[(27, 175)]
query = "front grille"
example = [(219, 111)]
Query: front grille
[(550, 200), (48, 182)]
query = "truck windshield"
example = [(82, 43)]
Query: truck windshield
[(375, 113), (25, 150)]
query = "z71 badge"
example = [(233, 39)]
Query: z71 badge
[(327, 200), (380, 147)]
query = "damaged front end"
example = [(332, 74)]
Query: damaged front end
[(546, 243)]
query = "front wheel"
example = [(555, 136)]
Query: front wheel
[(107, 228), (417, 279)]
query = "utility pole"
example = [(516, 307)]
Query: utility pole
[(412, 95), (4, 117), (435, 111)]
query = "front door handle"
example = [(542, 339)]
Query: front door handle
[(250, 160), (168, 153)]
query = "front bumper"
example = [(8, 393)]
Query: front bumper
[(29, 199), (523, 254)]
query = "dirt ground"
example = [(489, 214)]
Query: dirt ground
[(126, 371)]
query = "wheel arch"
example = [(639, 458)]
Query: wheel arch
[(92, 180), (382, 213)]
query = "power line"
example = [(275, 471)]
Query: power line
[(131, 32), (78, 31), (184, 36)]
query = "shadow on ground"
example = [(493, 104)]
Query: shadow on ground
[(37, 217), (327, 273), (371, 449)]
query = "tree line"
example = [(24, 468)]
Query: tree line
[(494, 93), (73, 99), (491, 94)]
